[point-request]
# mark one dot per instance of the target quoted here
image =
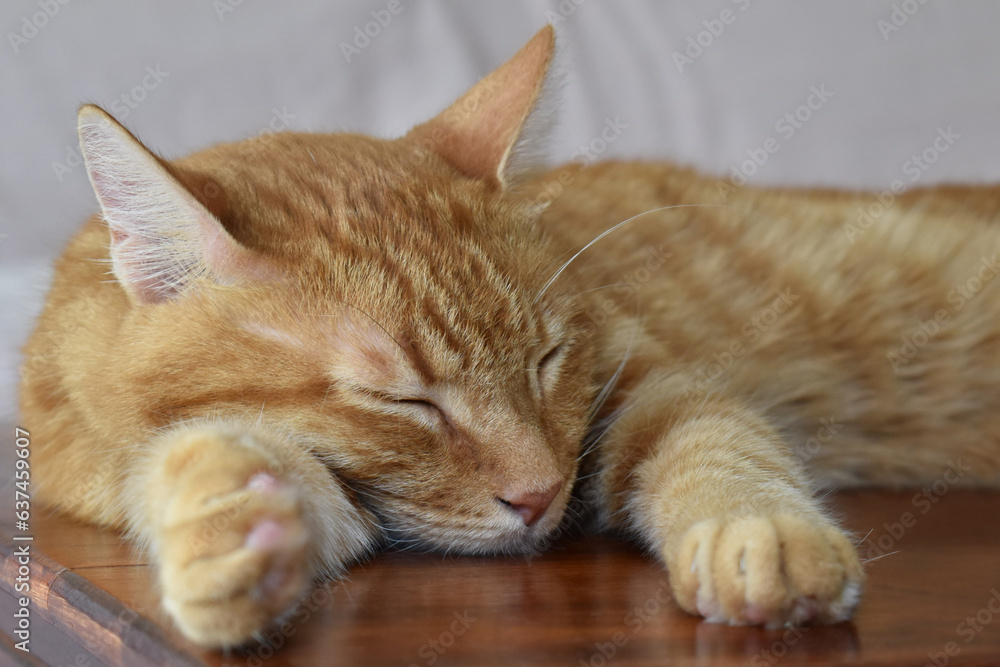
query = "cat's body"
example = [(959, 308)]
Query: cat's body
[(886, 331), (321, 343)]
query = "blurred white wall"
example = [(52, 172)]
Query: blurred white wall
[(697, 82)]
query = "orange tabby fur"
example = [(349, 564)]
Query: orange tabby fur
[(318, 344)]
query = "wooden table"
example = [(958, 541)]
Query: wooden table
[(590, 601)]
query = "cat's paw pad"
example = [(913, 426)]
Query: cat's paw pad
[(767, 570), (233, 548)]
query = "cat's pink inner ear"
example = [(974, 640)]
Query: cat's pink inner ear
[(485, 133), (163, 240)]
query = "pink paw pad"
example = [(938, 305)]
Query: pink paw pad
[(274, 581), (265, 536), (756, 614), (264, 482), (709, 608)]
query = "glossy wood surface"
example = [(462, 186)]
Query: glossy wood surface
[(591, 600)]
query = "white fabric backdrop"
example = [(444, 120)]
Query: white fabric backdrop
[(185, 74)]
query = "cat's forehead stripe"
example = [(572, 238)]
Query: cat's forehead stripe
[(271, 333)]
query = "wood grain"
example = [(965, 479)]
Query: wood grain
[(591, 600)]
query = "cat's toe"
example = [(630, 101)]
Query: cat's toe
[(690, 573), (220, 596), (770, 571), (224, 600), (233, 561)]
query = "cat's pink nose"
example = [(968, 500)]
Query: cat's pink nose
[(531, 505)]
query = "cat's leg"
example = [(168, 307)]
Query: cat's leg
[(718, 494), (239, 521)]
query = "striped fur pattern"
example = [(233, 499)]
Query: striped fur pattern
[(265, 360)]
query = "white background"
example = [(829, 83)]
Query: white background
[(230, 74)]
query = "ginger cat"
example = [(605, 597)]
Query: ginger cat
[(314, 345)]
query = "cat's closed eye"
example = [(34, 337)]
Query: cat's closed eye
[(414, 404), (548, 366), (417, 403)]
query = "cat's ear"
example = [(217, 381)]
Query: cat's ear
[(162, 238), (491, 132)]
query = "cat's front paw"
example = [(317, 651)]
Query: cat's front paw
[(233, 546), (766, 570)]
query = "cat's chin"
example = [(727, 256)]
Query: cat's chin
[(496, 538), (526, 542)]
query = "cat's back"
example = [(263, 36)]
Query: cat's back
[(876, 309), (822, 228)]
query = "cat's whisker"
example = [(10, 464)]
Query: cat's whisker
[(609, 386), (590, 447), (391, 528), (370, 317), (326, 394), (872, 560), (825, 495), (347, 591), (613, 229), (571, 510), (404, 545), (606, 425), (597, 289), (606, 390), (123, 448), (404, 540), (587, 450)]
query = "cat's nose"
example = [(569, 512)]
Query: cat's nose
[(531, 505)]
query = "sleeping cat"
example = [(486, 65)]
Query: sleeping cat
[(272, 357)]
